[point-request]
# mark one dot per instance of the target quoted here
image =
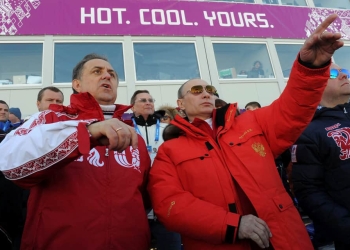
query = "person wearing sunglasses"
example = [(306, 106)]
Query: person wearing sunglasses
[(215, 180), (170, 113), (321, 160), (148, 125)]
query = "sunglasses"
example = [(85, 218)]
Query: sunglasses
[(334, 73), (166, 117), (198, 89), (144, 100)]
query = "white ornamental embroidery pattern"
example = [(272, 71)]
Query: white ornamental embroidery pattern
[(45, 161), (123, 159), (94, 158)]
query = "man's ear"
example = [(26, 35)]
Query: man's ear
[(37, 104), (76, 85), (180, 104)]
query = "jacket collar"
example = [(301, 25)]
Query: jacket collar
[(222, 118), (337, 110), (85, 105), (151, 119)]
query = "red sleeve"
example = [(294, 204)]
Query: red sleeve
[(286, 118)]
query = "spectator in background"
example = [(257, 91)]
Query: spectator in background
[(11, 217), (257, 70), (252, 106), (170, 113), (49, 95), (46, 96), (15, 117), (147, 124), (5, 123), (321, 161)]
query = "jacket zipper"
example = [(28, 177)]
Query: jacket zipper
[(109, 202), (146, 134)]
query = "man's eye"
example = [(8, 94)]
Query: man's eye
[(97, 71)]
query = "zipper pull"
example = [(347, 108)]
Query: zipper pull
[(106, 154), (345, 112)]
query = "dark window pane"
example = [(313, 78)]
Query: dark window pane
[(21, 63), (287, 54), (67, 55), (165, 61)]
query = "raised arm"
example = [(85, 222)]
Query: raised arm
[(294, 109)]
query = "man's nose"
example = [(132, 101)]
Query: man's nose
[(205, 94), (343, 75), (106, 75)]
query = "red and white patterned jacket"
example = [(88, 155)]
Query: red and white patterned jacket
[(82, 197)]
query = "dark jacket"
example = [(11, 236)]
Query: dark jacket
[(11, 213), (5, 128), (11, 209), (321, 171)]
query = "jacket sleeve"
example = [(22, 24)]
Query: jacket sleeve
[(181, 212), (284, 120), (41, 145), (309, 188)]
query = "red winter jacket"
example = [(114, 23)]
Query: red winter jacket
[(201, 185), (81, 197)]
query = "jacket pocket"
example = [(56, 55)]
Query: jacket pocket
[(283, 201), (249, 135), (192, 154), (240, 136)]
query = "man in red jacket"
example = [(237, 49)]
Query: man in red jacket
[(216, 182), (87, 169)]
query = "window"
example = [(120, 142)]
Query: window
[(67, 55), (236, 60), (339, 4), (287, 54), (286, 2), (21, 63), (165, 61), (235, 1), (341, 57)]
